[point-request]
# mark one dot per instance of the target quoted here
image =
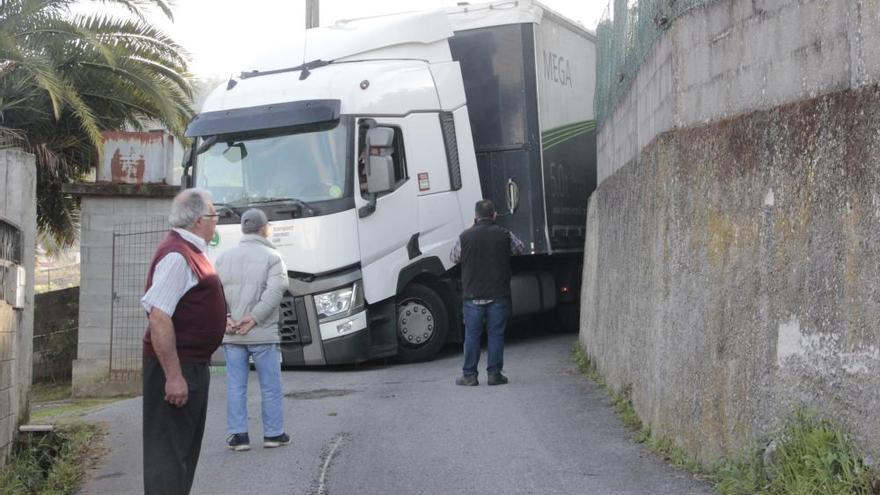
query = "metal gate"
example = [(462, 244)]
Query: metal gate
[(134, 244)]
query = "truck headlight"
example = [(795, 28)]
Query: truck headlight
[(339, 303)]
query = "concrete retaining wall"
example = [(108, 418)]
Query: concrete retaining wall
[(732, 269), (737, 56), (18, 210)]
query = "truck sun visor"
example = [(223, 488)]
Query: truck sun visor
[(264, 117)]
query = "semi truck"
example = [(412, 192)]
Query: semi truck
[(368, 145)]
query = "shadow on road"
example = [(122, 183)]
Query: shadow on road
[(527, 330)]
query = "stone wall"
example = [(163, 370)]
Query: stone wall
[(18, 216), (732, 267)]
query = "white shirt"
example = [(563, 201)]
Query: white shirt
[(172, 277)]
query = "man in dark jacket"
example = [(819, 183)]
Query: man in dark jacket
[(187, 318), (484, 251)]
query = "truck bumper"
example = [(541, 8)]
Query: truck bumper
[(352, 348), (320, 344)]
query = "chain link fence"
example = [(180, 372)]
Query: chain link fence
[(626, 34)]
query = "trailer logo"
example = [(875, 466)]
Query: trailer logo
[(557, 68)]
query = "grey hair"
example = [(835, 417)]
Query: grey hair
[(188, 206)]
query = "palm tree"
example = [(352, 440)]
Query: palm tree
[(65, 77)]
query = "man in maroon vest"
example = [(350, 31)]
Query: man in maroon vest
[(187, 319)]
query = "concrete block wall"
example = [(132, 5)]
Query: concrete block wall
[(100, 215), (738, 56), (18, 207)]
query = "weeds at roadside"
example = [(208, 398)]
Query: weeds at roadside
[(622, 402), (812, 456), (52, 463)]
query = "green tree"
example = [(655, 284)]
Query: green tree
[(67, 76)]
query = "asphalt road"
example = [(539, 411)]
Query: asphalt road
[(408, 429)]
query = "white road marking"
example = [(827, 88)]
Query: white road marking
[(321, 486)]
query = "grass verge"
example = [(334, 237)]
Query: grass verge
[(53, 462), (811, 456), (51, 403), (50, 392)]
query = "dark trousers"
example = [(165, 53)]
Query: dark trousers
[(173, 435)]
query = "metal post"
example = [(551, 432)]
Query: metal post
[(312, 14), (112, 296)]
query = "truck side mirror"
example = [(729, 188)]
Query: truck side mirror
[(381, 137), (380, 174), (380, 167), (186, 178)]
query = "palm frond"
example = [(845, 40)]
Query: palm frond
[(64, 78), (135, 36), (11, 138), (136, 7)]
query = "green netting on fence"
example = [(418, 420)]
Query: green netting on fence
[(625, 36)]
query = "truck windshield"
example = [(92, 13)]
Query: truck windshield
[(308, 166)]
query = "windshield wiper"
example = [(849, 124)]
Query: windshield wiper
[(302, 207), (227, 210)]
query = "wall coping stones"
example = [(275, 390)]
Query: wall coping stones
[(116, 189)]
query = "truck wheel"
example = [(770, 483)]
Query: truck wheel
[(422, 324)]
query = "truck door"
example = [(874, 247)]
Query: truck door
[(387, 220)]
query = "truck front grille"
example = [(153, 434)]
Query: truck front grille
[(293, 325)]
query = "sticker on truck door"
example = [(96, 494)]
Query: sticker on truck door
[(424, 182)]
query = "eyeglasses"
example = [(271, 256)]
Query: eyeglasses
[(212, 215)]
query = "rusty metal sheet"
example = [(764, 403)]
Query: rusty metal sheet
[(137, 157)]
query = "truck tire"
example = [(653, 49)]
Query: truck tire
[(422, 324)]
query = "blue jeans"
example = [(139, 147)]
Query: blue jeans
[(495, 315), (268, 365)]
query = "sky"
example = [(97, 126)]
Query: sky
[(220, 35)]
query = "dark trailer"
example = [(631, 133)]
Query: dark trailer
[(529, 77), (529, 86)]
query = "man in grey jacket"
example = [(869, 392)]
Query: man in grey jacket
[(254, 280)]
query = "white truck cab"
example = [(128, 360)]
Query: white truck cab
[(358, 147)]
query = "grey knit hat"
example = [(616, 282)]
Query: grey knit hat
[(252, 221)]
